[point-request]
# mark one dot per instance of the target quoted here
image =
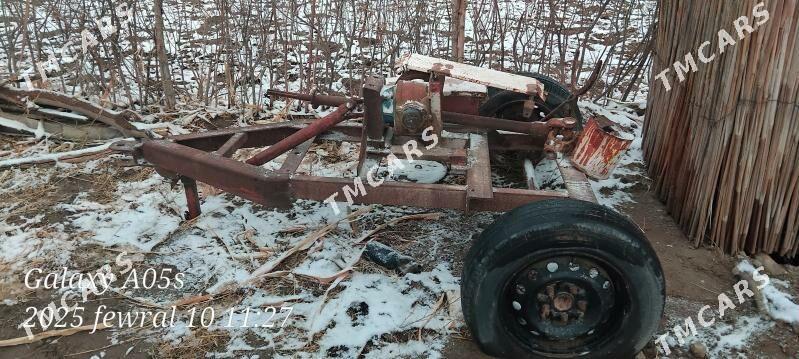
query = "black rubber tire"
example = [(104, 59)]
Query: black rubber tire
[(556, 94), (547, 228)]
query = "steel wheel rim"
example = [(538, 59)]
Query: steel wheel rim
[(605, 294)]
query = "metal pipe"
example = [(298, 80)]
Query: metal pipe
[(314, 99), (295, 139), (493, 123)]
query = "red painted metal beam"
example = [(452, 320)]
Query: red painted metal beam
[(297, 138), (492, 123), (417, 194), (192, 197), (250, 182), (231, 145)]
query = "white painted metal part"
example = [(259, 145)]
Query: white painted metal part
[(480, 75), (453, 86)]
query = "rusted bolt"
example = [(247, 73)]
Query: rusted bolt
[(551, 291), (520, 289)]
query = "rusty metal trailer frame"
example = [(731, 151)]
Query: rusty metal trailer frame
[(205, 157)]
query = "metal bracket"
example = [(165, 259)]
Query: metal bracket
[(436, 88)]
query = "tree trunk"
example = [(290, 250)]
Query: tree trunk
[(723, 143), (163, 61), (458, 28)]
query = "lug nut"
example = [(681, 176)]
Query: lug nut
[(573, 289), (545, 311), (532, 274), (551, 291)]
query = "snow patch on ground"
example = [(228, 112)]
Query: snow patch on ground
[(23, 242), (372, 305), (779, 305), (547, 174), (142, 214), (722, 338)]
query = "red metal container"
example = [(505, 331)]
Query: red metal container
[(601, 145)]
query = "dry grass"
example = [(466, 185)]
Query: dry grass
[(196, 345)]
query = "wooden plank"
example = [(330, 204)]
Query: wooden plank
[(478, 177), (373, 106)]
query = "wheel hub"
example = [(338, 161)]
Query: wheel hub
[(563, 302), (562, 298)]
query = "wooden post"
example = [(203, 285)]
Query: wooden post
[(722, 144), (458, 28)]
